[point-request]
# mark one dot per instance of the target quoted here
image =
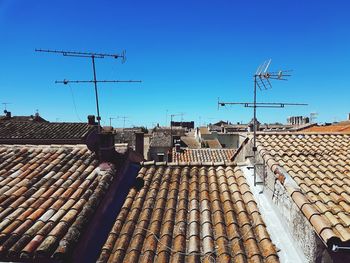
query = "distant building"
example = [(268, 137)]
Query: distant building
[(298, 120), (160, 146), (184, 124)]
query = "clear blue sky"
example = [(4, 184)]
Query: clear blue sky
[(187, 53)]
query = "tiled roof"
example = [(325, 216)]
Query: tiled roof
[(30, 118), (189, 213), (342, 128), (53, 132), (320, 166), (47, 195), (203, 155)]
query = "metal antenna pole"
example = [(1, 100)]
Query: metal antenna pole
[(110, 120), (254, 116), (171, 130), (5, 105), (96, 94)]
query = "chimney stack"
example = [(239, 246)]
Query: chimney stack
[(91, 120), (106, 148), (139, 142), (178, 147), (348, 116), (8, 114)]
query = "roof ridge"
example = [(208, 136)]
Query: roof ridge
[(221, 163)]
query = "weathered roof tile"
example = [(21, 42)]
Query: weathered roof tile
[(189, 213), (48, 194), (319, 164)]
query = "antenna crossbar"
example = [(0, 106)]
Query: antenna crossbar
[(92, 56), (82, 54), (262, 104), (97, 81)]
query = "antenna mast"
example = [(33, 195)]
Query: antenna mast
[(91, 55), (5, 106), (262, 79)]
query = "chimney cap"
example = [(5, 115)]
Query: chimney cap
[(91, 120)]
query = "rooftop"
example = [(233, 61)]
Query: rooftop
[(319, 164), (188, 213), (47, 196), (190, 142), (213, 144), (203, 155), (18, 132), (339, 127)]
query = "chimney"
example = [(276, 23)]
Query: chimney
[(178, 148), (139, 142), (91, 120), (106, 148), (36, 116), (8, 114), (348, 116)]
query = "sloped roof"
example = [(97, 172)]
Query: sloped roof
[(342, 128), (189, 213), (43, 132), (191, 142), (320, 166), (213, 144), (204, 130), (203, 155), (47, 195), (30, 118)]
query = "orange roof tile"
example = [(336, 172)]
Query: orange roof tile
[(47, 195), (343, 128), (188, 213), (320, 165), (203, 155)]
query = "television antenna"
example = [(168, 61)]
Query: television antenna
[(92, 56), (5, 106), (262, 80), (313, 117), (110, 120), (124, 119)]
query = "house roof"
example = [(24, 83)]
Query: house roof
[(213, 144), (43, 132), (30, 118), (191, 142), (204, 130), (189, 213), (343, 128), (47, 195), (203, 155), (319, 166)]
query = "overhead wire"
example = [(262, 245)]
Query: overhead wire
[(74, 104)]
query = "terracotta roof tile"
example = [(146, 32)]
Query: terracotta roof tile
[(189, 213), (48, 193), (319, 164), (12, 131), (203, 155)]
